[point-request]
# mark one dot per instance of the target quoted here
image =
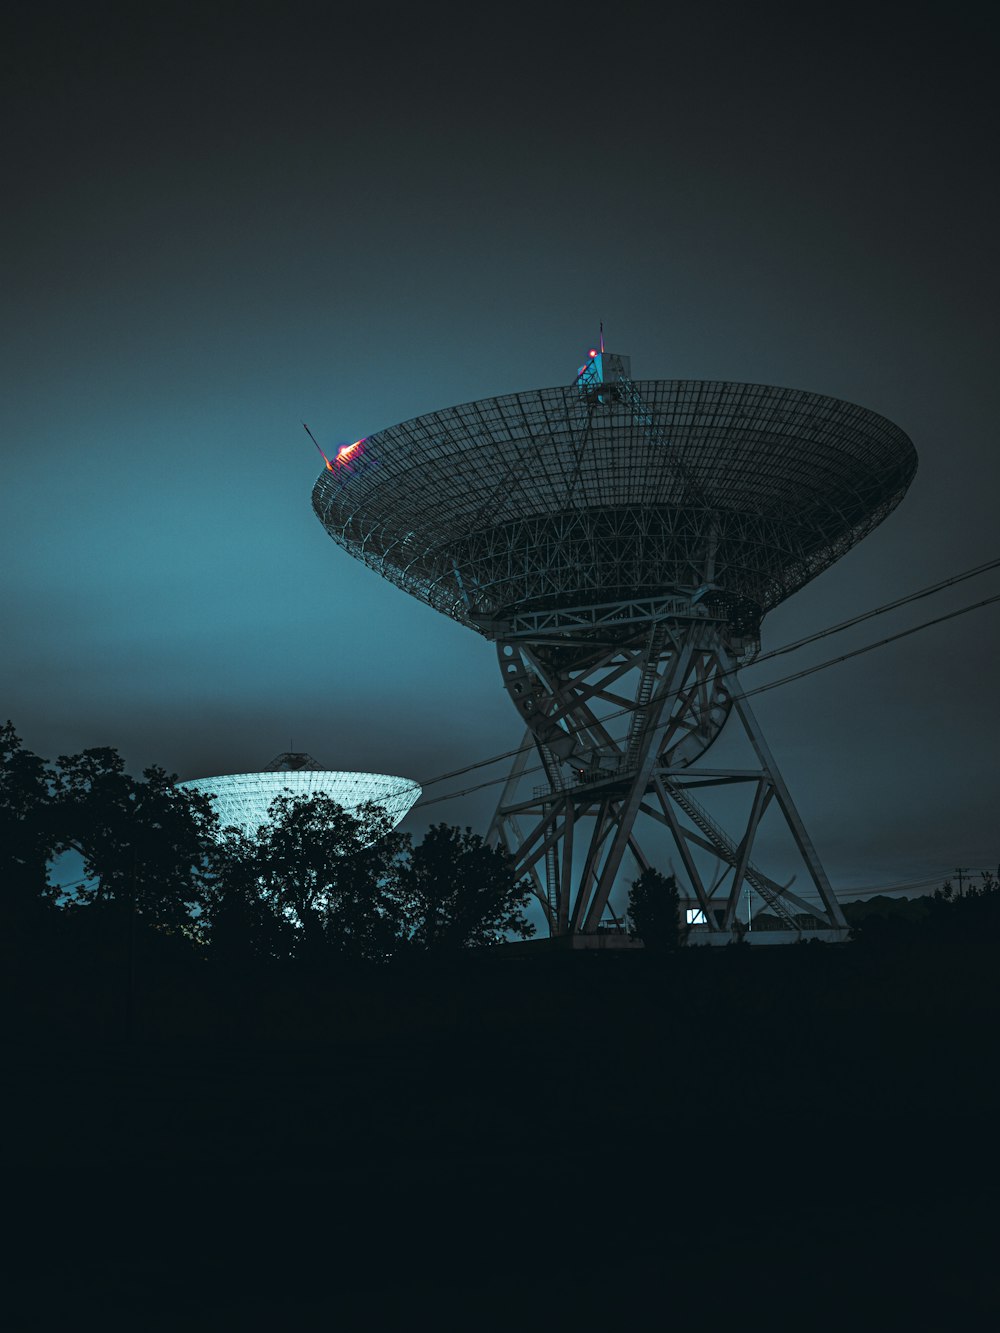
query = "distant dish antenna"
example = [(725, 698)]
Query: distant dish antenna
[(242, 800)]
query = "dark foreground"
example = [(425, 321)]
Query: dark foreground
[(804, 1136)]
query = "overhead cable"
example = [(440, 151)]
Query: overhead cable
[(774, 652), (868, 647), (760, 689), (878, 611)]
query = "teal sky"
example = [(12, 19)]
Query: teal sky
[(226, 220)]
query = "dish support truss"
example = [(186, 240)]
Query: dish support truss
[(668, 682)]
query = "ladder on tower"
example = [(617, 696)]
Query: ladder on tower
[(552, 869), (552, 880), (650, 677)]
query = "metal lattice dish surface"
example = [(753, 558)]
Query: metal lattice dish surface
[(242, 799), (553, 498)]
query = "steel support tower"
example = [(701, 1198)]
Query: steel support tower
[(682, 686), (620, 543)]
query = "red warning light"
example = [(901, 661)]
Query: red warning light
[(347, 451), (592, 352)]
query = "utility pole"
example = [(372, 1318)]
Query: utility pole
[(963, 874)]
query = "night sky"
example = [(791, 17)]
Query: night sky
[(224, 221)]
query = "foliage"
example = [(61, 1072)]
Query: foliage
[(654, 911), (242, 924), (144, 843), (317, 879), (975, 912), (458, 892), (968, 920), (26, 829)]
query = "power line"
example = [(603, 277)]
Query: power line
[(868, 647), (760, 689), (764, 657), (879, 610), (963, 873), (74, 882), (893, 888)]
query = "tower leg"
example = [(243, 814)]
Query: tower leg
[(683, 687), (647, 752), (802, 840)]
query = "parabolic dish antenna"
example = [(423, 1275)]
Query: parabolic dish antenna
[(621, 542), (242, 799)]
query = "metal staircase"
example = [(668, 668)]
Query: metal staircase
[(648, 683), (729, 852)]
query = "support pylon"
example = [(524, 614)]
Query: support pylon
[(621, 722)]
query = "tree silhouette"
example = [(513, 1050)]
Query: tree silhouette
[(27, 834), (654, 911), (145, 843), (242, 922), (459, 892), (327, 872), (973, 915)]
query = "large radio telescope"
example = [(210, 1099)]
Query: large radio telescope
[(621, 541), (242, 800)]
